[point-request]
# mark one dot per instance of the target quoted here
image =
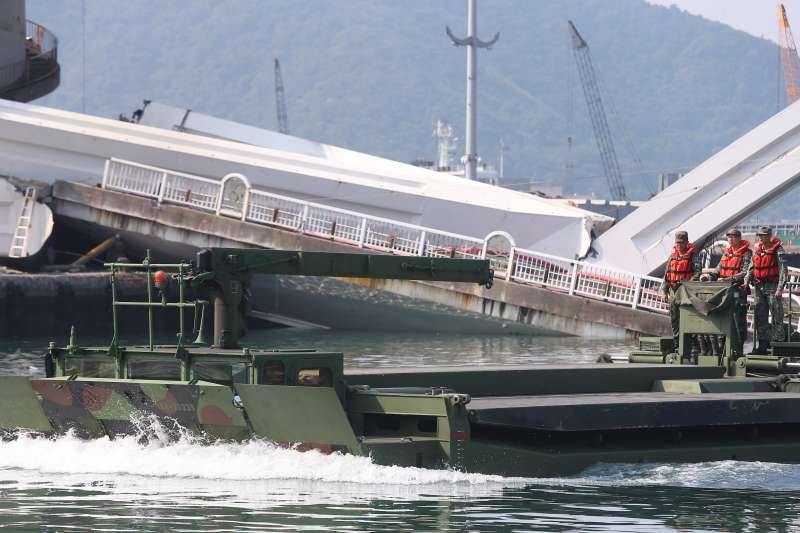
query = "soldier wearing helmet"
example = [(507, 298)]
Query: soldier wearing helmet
[(683, 264), (768, 274), (733, 267)]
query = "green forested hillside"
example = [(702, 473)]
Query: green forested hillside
[(373, 75)]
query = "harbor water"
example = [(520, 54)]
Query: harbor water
[(128, 485)]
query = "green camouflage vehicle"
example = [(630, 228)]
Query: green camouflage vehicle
[(536, 420)]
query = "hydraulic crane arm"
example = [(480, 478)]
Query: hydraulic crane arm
[(227, 273)]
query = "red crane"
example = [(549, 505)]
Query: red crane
[(789, 59)]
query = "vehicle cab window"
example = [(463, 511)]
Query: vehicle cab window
[(273, 373), (163, 369), (222, 373), (90, 368), (315, 377)]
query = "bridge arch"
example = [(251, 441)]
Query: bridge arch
[(234, 194), (498, 241)]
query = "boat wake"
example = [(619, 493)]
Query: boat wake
[(709, 475), (155, 461), (167, 458)]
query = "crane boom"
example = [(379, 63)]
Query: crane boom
[(597, 113), (227, 273), (280, 100), (789, 59)]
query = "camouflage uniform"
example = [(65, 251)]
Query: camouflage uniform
[(740, 293), (766, 304), (671, 288)]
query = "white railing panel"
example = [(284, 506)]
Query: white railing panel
[(651, 296), (605, 283), (391, 237), (327, 223), (275, 210), (542, 269), (138, 180), (453, 246), (188, 190)]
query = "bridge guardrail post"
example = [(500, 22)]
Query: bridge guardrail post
[(362, 232), (104, 185), (421, 245), (163, 187), (246, 204), (637, 293), (573, 282), (510, 267), (219, 200), (303, 218)]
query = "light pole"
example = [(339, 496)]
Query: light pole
[(472, 43)]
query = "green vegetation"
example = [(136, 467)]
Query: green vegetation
[(374, 76)]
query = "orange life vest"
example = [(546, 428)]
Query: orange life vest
[(765, 262), (680, 266), (732, 260)]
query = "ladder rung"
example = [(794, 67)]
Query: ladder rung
[(20, 239)]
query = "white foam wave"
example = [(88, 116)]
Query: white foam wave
[(246, 470)]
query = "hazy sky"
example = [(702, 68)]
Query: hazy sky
[(758, 17)]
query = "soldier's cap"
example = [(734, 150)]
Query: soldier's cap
[(681, 236), (734, 232), (764, 230)]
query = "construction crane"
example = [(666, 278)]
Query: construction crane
[(602, 133), (280, 100), (789, 59)]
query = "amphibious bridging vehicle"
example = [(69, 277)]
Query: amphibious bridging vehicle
[(536, 420)]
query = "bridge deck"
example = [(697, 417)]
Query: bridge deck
[(532, 379), (508, 306)]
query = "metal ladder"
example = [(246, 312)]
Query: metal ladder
[(19, 244)]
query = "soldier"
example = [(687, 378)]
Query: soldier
[(768, 275), (733, 267), (683, 264)]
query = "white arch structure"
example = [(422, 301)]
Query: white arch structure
[(738, 180)]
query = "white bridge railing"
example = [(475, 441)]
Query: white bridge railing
[(234, 197)]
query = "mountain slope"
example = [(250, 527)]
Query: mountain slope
[(374, 76)]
